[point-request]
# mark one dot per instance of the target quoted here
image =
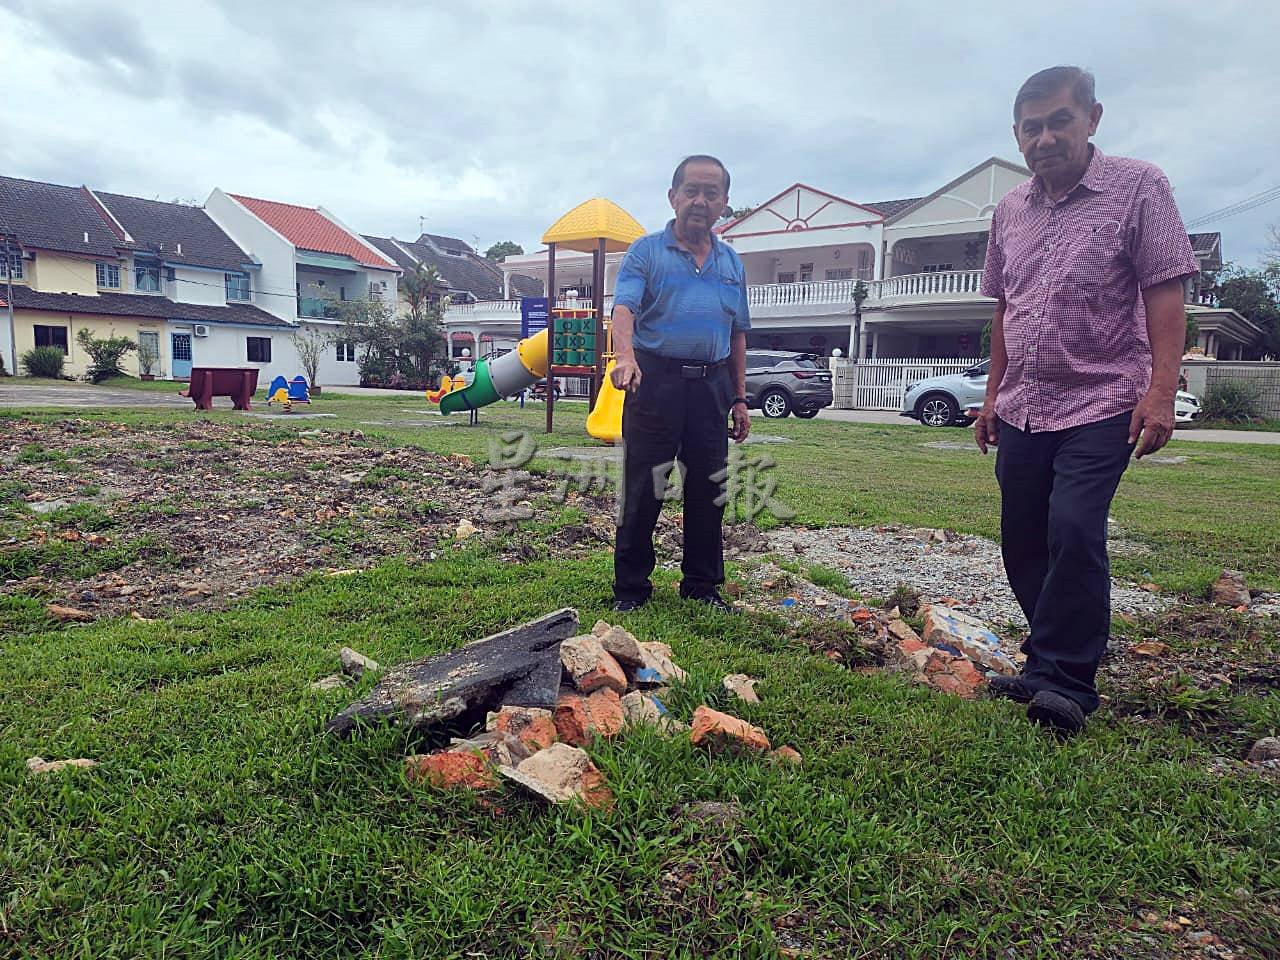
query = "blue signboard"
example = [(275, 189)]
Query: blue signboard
[(533, 316)]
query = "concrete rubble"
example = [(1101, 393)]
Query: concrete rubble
[(606, 682)]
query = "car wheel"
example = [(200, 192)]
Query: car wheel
[(775, 404), (807, 414), (938, 410)]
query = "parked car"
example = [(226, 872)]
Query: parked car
[(956, 398), (780, 382), (945, 400), (539, 390)]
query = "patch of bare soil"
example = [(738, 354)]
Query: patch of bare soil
[(204, 513)]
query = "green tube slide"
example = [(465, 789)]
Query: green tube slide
[(479, 394)]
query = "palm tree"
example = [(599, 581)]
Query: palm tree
[(860, 293)]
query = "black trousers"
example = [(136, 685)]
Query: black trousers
[(1056, 489), (671, 418)]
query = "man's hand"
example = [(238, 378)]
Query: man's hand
[(1153, 419), (741, 425), (626, 374), (986, 429)]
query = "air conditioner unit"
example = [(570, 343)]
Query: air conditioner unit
[(200, 330)]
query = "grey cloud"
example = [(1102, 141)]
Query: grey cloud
[(560, 101)]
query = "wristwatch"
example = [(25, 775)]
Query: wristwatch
[(741, 400)]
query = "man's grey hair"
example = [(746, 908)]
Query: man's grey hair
[(1048, 82)]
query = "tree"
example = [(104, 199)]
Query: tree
[(732, 214), (422, 337), (1255, 295), (860, 293), (372, 326), (1193, 333), (504, 248), (310, 343), (106, 354)]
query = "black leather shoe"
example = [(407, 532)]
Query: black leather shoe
[(1010, 688), (712, 599), (1061, 714), (626, 606)]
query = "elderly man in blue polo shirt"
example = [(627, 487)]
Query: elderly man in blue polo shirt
[(680, 341)]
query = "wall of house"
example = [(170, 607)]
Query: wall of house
[(273, 287), (227, 346), (974, 198), (964, 251), (77, 363), (191, 285), (55, 273), (333, 372), (765, 266)]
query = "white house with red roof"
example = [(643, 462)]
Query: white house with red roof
[(309, 260)]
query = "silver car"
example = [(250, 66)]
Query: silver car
[(942, 401), (956, 398)]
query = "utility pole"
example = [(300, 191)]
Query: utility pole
[(13, 336)]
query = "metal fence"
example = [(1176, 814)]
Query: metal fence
[(1264, 377), (881, 384)]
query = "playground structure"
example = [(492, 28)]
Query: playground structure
[(578, 342), (598, 227), (288, 392)]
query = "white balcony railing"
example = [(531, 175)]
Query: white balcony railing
[(486, 307), (946, 284), (776, 299)]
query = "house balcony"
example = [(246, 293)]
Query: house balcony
[(317, 307), (836, 296), (800, 301)]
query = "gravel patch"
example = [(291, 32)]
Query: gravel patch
[(959, 567)]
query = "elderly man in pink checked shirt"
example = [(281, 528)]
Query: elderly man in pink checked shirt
[(1086, 263)]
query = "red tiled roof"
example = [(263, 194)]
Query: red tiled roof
[(310, 229)]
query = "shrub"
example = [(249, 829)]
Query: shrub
[(44, 362), (1236, 401), (106, 355)]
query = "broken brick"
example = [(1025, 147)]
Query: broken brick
[(723, 733), (951, 674), (532, 726), (578, 718), (786, 755), (561, 773), (451, 770), (590, 666), (741, 686), (967, 635)]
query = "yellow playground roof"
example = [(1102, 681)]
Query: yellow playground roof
[(583, 227)]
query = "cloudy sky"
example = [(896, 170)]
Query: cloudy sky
[(490, 119)]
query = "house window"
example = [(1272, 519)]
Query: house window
[(237, 286), (346, 351), (840, 273), (51, 337), (146, 278), (787, 277), (806, 272), (109, 275), (259, 349), (14, 265), (936, 267)]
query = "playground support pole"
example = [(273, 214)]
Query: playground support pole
[(551, 323), (597, 303)]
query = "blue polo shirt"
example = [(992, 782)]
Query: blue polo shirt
[(682, 311)]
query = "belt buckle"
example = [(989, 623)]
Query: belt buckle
[(693, 371)]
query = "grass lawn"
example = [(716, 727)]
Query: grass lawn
[(223, 822)]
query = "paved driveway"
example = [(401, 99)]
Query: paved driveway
[(83, 395)]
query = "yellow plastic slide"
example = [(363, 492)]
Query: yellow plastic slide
[(604, 422)]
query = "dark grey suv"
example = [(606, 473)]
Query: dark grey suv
[(780, 382)]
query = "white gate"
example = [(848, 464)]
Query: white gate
[(881, 384)]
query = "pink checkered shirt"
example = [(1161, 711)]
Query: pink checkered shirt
[(1071, 275)]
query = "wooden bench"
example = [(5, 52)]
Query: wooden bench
[(238, 383)]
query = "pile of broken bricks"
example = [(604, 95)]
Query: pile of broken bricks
[(957, 653), (611, 682)]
